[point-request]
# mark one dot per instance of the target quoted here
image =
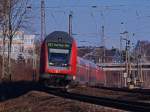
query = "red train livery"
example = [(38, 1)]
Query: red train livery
[(60, 65)]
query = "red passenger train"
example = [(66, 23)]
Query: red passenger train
[(60, 65)]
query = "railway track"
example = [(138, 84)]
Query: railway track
[(18, 89), (108, 102), (142, 91)]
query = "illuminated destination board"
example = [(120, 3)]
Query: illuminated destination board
[(59, 45)]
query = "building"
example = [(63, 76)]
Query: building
[(142, 49), (22, 45), (96, 54)]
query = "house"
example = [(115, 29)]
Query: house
[(22, 45)]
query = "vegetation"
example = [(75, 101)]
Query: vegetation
[(13, 17)]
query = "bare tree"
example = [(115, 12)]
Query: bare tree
[(14, 14), (3, 22)]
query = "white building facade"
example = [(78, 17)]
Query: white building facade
[(22, 44)]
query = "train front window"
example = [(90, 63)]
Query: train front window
[(58, 57)]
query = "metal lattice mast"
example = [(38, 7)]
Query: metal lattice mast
[(43, 27)]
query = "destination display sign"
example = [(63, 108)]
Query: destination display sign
[(59, 45)]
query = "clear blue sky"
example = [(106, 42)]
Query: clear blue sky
[(87, 21)]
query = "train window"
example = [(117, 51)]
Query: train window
[(92, 79), (58, 57), (65, 51), (82, 78)]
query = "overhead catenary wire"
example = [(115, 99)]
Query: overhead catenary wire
[(99, 8)]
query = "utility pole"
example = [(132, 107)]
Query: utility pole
[(43, 26), (103, 44), (127, 73), (121, 54), (127, 63), (130, 81), (139, 67), (70, 23), (128, 60)]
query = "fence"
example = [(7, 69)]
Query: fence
[(116, 79)]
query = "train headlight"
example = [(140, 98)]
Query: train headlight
[(74, 77), (50, 63)]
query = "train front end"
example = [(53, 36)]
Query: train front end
[(58, 59)]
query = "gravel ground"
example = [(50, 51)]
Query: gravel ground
[(35, 101)]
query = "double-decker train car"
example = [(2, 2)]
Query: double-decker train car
[(89, 73), (60, 65)]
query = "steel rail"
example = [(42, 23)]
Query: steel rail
[(108, 102)]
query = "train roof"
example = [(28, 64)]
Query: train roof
[(59, 36)]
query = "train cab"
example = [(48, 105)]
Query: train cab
[(58, 59)]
